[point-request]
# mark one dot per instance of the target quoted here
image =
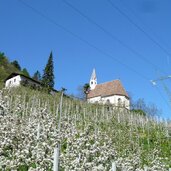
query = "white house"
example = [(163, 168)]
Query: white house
[(111, 92), (17, 79)]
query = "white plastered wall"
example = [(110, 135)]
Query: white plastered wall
[(112, 99), (12, 82), (16, 81)]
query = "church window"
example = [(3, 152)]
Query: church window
[(108, 101), (119, 101)]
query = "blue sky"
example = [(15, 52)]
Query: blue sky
[(132, 44)]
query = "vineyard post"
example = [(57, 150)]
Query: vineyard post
[(56, 159), (113, 166), (145, 168)]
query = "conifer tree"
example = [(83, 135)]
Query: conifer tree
[(16, 64), (37, 76), (48, 74), (25, 72)]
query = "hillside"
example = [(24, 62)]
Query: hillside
[(7, 67), (91, 136)]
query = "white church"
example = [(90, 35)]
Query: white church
[(111, 92)]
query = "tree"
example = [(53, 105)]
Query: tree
[(141, 107), (83, 90), (16, 64), (63, 89), (86, 89), (3, 60), (25, 72), (48, 74), (37, 76)]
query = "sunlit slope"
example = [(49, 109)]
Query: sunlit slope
[(91, 136)]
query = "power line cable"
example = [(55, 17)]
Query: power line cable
[(139, 28), (111, 35), (144, 24), (81, 39)]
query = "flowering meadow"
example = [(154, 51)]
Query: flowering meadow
[(91, 137)]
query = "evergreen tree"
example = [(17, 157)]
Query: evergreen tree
[(16, 64), (48, 74), (25, 72), (3, 60), (37, 76)]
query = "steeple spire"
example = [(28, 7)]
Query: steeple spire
[(93, 80)]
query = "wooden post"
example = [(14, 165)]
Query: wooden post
[(113, 166), (56, 159)]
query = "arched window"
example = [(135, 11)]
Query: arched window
[(107, 101), (119, 101)]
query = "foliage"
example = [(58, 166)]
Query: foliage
[(146, 109), (83, 91), (139, 111), (25, 72), (91, 136), (6, 68), (48, 75), (16, 65), (37, 76)]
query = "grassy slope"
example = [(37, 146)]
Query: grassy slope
[(93, 132)]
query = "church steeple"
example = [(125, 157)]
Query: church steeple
[(93, 80)]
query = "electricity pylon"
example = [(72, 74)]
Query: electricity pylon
[(154, 82)]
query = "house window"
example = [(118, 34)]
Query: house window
[(15, 80), (9, 83), (92, 82)]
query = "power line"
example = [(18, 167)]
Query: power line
[(147, 26), (111, 35), (81, 39), (139, 28)]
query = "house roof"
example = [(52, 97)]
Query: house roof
[(108, 89)]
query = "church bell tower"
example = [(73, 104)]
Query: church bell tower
[(93, 80)]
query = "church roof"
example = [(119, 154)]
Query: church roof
[(108, 89)]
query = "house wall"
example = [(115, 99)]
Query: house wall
[(30, 82), (124, 102), (12, 82), (94, 99), (16, 81)]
